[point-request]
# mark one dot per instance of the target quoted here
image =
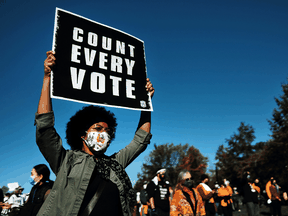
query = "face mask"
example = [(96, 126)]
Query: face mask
[(97, 141), (188, 183), (162, 177), (31, 180)]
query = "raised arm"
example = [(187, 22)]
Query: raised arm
[(145, 118), (45, 103)]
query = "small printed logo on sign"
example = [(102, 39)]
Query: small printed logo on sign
[(143, 104)]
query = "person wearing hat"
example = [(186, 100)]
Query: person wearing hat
[(207, 195), (159, 194), (16, 200)]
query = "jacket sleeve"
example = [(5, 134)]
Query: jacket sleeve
[(134, 149), (48, 140), (202, 194), (268, 189), (201, 204), (274, 194)]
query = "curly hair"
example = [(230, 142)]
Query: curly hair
[(83, 120)]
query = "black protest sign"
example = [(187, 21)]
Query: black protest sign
[(97, 64)]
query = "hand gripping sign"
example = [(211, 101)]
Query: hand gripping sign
[(97, 64)]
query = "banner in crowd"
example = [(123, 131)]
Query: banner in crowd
[(98, 64)]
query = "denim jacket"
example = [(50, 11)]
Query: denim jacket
[(73, 168)]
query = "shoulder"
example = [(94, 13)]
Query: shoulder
[(178, 195)]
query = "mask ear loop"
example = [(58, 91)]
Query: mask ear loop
[(85, 139)]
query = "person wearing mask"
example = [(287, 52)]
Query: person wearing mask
[(207, 195), (186, 200), (87, 180), (40, 179), (159, 194), (225, 200), (275, 198)]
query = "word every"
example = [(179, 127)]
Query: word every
[(97, 79)]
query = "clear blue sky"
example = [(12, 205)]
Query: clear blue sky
[(213, 64)]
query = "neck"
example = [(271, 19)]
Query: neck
[(86, 149)]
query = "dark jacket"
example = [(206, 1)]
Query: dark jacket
[(36, 199)]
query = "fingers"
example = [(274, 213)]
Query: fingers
[(149, 87), (49, 62)]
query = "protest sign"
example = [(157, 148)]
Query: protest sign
[(97, 64)]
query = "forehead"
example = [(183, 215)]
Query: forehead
[(33, 171), (103, 125), (186, 175)]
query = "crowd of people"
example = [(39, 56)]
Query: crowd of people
[(90, 183), (17, 203), (157, 198)]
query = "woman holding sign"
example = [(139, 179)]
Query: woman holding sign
[(87, 181)]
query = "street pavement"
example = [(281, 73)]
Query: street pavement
[(264, 210)]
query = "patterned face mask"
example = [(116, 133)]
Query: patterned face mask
[(97, 141)]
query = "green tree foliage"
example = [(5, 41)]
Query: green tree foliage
[(173, 158), (275, 159), (271, 157), (264, 159), (231, 159), (195, 162)]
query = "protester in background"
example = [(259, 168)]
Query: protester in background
[(207, 195), (236, 199), (159, 194), (15, 201), (1, 198), (275, 198), (230, 190), (217, 199), (256, 196), (5, 205), (137, 205), (40, 179), (186, 200), (268, 193), (248, 195), (145, 207), (226, 201), (85, 172)]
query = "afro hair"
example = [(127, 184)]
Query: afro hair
[(83, 120)]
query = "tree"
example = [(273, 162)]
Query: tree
[(231, 158), (195, 162), (275, 159), (173, 158), (264, 159)]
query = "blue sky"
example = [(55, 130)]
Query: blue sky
[(213, 64)]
